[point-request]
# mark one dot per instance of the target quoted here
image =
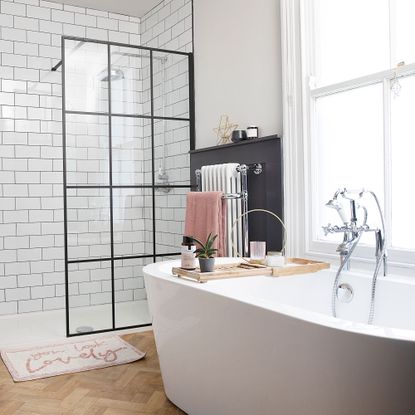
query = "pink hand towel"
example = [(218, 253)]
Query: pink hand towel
[(205, 214)]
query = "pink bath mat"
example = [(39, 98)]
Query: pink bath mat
[(36, 362)]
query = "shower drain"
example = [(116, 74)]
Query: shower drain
[(84, 329)]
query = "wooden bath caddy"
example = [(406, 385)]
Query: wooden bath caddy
[(294, 266)]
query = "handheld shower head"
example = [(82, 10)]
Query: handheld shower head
[(334, 204)]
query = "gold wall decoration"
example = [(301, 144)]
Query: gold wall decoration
[(224, 130)]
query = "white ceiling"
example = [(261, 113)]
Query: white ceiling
[(129, 7)]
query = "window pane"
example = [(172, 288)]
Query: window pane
[(347, 151), (351, 38), (403, 150), (403, 24)]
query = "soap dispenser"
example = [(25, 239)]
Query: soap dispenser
[(188, 253)]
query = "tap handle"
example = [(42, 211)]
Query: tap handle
[(379, 242), (358, 192), (353, 215), (326, 229)]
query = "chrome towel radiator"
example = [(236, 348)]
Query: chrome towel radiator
[(232, 180)]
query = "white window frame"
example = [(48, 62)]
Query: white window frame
[(298, 103)]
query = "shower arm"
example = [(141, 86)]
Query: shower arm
[(59, 64)]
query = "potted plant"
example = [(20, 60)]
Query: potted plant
[(205, 253)]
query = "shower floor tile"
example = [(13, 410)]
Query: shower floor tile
[(37, 327)]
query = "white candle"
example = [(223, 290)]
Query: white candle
[(275, 259)]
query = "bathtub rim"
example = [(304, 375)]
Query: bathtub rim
[(154, 270)]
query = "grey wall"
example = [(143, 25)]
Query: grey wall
[(237, 65)]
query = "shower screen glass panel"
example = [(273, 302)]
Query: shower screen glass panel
[(171, 85), (90, 293), (129, 69), (127, 132), (130, 151), (88, 223), (86, 79), (132, 221), (130, 294), (170, 211), (171, 152), (87, 150)]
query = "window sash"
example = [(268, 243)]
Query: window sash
[(399, 72), (399, 260)]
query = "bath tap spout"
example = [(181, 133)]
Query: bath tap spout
[(351, 235), (352, 232)]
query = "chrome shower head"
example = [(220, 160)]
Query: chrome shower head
[(115, 75)]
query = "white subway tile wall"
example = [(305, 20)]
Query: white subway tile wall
[(169, 26), (31, 203)]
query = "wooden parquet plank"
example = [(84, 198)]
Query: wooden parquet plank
[(156, 402), (10, 407), (111, 411), (74, 397), (43, 405), (85, 406), (135, 388), (117, 404), (124, 380), (59, 385)]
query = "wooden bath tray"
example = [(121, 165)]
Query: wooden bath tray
[(294, 266)]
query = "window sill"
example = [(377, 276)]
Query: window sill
[(395, 267)]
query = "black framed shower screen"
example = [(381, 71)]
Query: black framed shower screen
[(148, 119)]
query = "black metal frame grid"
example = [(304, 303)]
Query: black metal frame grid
[(153, 187)]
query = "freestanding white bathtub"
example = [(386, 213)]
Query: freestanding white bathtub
[(266, 345)]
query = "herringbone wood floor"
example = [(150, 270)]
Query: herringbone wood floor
[(134, 388)]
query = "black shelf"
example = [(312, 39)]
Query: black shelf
[(241, 143)]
